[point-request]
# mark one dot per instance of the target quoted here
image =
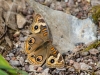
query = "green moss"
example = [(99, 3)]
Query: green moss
[(96, 13), (93, 45)]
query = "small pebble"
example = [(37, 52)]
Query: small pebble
[(71, 69), (84, 66), (26, 67), (76, 65), (85, 53), (39, 69), (14, 63), (66, 0), (71, 62), (78, 59), (93, 51), (11, 55), (8, 58), (21, 60), (97, 72), (48, 2), (20, 21), (31, 68)]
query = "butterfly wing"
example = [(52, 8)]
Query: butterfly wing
[(40, 28), (39, 48), (54, 59), (38, 57), (32, 43)]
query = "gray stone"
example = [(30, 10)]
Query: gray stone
[(26, 68), (11, 55), (84, 53), (45, 72), (21, 60), (97, 72), (8, 58), (71, 69), (98, 48), (22, 38), (85, 66), (66, 30), (14, 62), (78, 60), (93, 51), (31, 68), (20, 21)]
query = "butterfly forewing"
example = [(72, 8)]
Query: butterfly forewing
[(39, 27), (32, 43)]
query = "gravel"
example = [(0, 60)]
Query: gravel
[(78, 64)]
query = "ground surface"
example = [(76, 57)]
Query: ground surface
[(13, 34)]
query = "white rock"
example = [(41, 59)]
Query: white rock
[(20, 21), (66, 29)]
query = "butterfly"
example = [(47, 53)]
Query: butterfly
[(39, 47)]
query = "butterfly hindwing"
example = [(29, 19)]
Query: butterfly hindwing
[(55, 59), (38, 57)]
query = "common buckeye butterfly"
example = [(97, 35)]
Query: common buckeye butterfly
[(39, 48)]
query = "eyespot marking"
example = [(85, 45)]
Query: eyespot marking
[(36, 27), (52, 61), (31, 40), (39, 58)]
